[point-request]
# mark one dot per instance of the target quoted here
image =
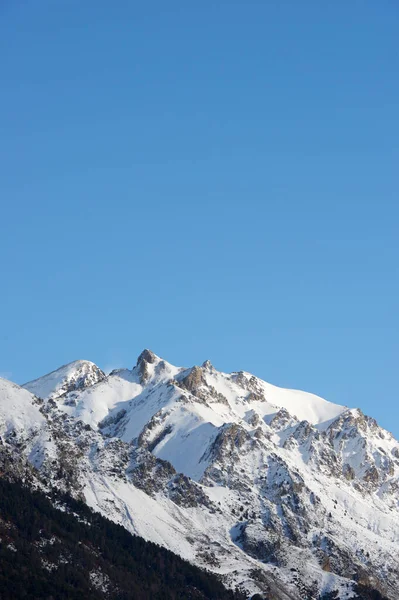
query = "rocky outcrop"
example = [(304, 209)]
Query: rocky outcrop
[(145, 359), (195, 382)]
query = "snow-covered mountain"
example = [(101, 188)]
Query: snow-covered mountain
[(279, 491), (78, 375)]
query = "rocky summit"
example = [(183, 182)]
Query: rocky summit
[(279, 492)]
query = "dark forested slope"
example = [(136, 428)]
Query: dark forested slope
[(74, 553)]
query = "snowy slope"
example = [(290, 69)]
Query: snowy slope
[(125, 402), (278, 490), (17, 411)]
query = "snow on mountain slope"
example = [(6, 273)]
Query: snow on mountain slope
[(73, 376), (277, 490), (266, 397), (22, 424), (17, 410), (156, 392)]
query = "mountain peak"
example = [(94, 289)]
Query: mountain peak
[(207, 365), (76, 375), (146, 364), (147, 356)]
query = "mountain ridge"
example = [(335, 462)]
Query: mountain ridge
[(258, 483)]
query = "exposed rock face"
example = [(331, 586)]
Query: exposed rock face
[(281, 420), (145, 359), (146, 356), (251, 384), (187, 493), (151, 474), (194, 380), (349, 472), (208, 366), (231, 439), (196, 383)]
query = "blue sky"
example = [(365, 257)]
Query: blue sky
[(210, 180)]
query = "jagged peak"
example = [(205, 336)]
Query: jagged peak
[(147, 356), (152, 368), (145, 365), (207, 365)]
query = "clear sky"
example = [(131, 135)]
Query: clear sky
[(207, 179)]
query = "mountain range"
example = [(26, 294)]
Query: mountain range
[(278, 492)]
